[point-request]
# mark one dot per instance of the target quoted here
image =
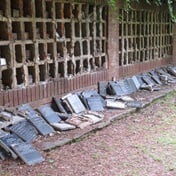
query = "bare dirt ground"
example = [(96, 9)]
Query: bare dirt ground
[(142, 144)]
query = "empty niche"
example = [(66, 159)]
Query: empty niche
[(20, 75), (68, 30), (98, 10), (49, 30), (97, 62), (75, 11), (15, 8), (70, 68), (104, 13), (5, 53), (120, 59), (84, 30), (103, 62), (104, 30), (42, 72), (77, 51), (104, 46), (85, 65), (98, 25), (7, 78), (18, 54), (51, 70), (67, 10), (49, 8), (85, 49), (27, 8), (91, 47), (39, 30), (125, 61), (84, 11), (91, 30), (91, 12), (38, 8), (98, 49), (78, 66), (59, 10), (31, 75), (42, 53), (69, 48), (60, 31), (50, 51), (4, 31), (29, 52), (61, 69), (16, 32), (77, 30), (60, 49), (28, 31), (91, 63), (3, 6)]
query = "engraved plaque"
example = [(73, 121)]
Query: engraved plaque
[(7, 141), (75, 103), (115, 88), (147, 79), (40, 124), (28, 153), (95, 103), (102, 86), (49, 114), (24, 130)]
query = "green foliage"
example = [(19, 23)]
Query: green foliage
[(170, 5)]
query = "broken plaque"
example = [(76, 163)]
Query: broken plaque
[(27, 153), (7, 141), (24, 130), (135, 104), (49, 114), (102, 86), (63, 126), (40, 124), (59, 105), (114, 88), (3, 153)]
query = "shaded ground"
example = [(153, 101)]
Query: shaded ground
[(143, 144)]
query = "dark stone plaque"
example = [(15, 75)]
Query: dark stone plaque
[(7, 141), (40, 124), (125, 86), (28, 153), (102, 86), (155, 77), (115, 89), (140, 80), (24, 130), (49, 114), (95, 103), (75, 103), (59, 105)]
